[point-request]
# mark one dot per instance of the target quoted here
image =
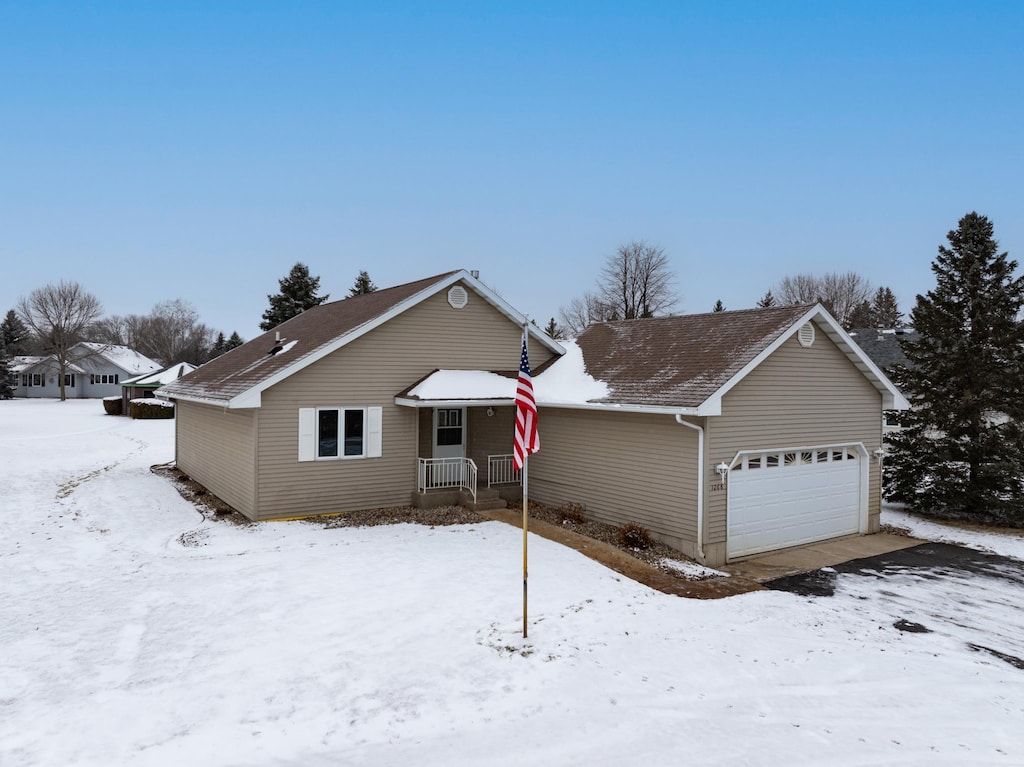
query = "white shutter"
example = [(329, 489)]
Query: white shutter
[(374, 437), (307, 433)]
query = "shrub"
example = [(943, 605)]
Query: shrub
[(634, 536), (150, 408), (573, 513), (112, 405)]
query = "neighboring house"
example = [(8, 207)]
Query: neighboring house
[(884, 348), (724, 434), (145, 385), (94, 370)]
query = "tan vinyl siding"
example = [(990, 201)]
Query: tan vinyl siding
[(217, 447), (489, 435), (371, 371), (797, 397), (624, 467)]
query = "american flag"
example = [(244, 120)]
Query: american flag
[(527, 438)]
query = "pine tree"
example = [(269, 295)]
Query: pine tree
[(553, 330), (234, 341), (885, 310), (719, 306), (298, 293), (767, 301), (863, 316), (363, 284), (6, 376), (13, 334), (219, 346), (961, 451)]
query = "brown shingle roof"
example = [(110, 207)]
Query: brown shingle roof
[(679, 361), (250, 365)]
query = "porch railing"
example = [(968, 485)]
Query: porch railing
[(447, 474), (501, 471)]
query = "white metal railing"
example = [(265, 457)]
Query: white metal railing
[(501, 471), (447, 473)]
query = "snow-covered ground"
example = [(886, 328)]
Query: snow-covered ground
[(122, 642)]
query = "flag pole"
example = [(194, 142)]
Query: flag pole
[(526, 462)]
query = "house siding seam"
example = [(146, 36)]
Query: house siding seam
[(370, 371), (797, 397), (623, 467), (217, 447)]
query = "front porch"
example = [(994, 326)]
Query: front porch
[(457, 482)]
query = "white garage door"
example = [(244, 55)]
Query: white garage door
[(781, 498)]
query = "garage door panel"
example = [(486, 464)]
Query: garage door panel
[(776, 506)]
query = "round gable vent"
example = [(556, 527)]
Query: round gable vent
[(458, 297), (806, 334)]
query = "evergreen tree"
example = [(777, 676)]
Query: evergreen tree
[(234, 341), (363, 284), (553, 329), (298, 293), (863, 316), (767, 301), (13, 334), (6, 376), (961, 451), (719, 306), (885, 310), (219, 346)]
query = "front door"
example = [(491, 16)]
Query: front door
[(450, 432)]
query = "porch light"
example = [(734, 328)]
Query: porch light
[(722, 469), (880, 454), (490, 411)]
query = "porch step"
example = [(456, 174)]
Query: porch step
[(491, 504)]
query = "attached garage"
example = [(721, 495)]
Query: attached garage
[(792, 496)]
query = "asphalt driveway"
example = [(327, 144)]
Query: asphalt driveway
[(951, 591)]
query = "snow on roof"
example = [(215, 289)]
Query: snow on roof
[(161, 377), (564, 382), (125, 358)]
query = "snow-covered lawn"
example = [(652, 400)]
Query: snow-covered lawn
[(288, 644)]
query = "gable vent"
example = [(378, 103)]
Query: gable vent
[(458, 297), (806, 334)]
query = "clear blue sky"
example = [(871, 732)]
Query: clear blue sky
[(197, 150)]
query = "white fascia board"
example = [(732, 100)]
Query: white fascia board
[(421, 403), (891, 397), (252, 397), (190, 398)]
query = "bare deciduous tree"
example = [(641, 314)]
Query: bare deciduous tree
[(173, 333), (635, 282), (584, 311), (59, 316), (841, 294)]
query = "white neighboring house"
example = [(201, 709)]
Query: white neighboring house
[(95, 371)]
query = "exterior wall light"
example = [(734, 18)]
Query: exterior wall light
[(490, 411), (722, 469)]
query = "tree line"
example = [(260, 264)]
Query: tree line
[(52, 320)]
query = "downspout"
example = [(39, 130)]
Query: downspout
[(700, 483)]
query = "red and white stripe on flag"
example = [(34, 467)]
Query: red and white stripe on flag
[(527, 439)]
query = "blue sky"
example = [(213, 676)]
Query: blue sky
[(198, 150)]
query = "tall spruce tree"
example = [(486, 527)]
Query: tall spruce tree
[(362, 285), (885, 310), (234, 341), (961, 451), (719, 306), (14, 334), (767, 301), (6, 376), (298, 293)]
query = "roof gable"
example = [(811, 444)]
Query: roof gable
[(238, 378), (690, 362)]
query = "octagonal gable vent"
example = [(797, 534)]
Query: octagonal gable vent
[(458, 297), (806, 334)]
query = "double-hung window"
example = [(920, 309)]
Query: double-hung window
[(331, 433), (340, 433)]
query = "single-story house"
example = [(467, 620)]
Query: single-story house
[(725, 434), (94, 370), (145, 385)]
